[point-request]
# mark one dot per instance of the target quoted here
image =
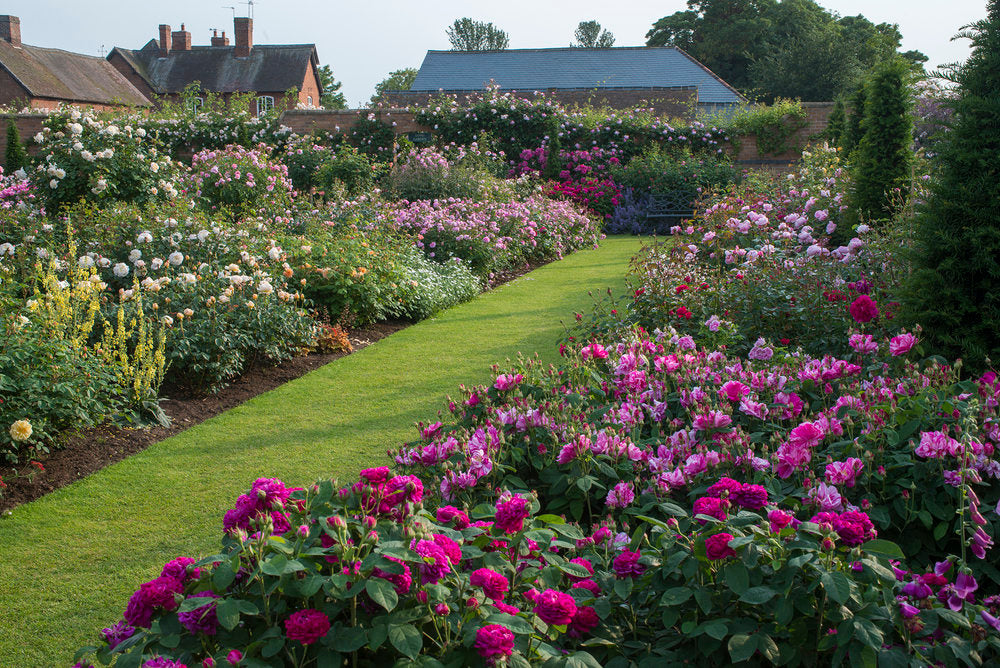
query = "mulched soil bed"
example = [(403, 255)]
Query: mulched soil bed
[(90, 450)]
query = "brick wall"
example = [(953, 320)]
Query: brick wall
[(750, 156), (680, 102), (304, 121)]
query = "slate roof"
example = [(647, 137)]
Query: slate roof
[(269, 68), (572, 68), (73, 77)]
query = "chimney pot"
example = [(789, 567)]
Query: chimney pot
[(219, 41), (244, 35), (181, 39)]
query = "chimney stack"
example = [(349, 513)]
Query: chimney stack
[(244, 36), (180, 39), (10, 30), (219, 41), (164, 40)]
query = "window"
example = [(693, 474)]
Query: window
[(264, 104), (196, 103), (309, 100)]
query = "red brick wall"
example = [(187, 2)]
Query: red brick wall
[(304, 121), (750, 156), (670, 102), (309, 87)]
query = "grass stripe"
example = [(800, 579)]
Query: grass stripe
[(69, 561)]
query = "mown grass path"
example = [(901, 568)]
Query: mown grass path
[(69, 561)]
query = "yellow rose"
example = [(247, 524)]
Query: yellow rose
[(20, 430)]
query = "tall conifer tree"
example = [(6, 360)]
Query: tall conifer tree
[(954, 289)]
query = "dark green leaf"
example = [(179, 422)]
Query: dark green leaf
[(757, 595), (742, 647), (407, 639), (381, 592), (228, 613)]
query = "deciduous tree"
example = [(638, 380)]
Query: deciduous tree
[(468, 35)]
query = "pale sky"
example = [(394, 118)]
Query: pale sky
[(363, 40)]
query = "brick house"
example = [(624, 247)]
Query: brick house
[(167, 65), (45, 78), (664, 78)]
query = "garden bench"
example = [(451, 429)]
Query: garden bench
[(668, 209)]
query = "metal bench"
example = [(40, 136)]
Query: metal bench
[(666, 211)]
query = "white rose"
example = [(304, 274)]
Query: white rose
[(120, 269), (144, 237), (75, 128), (134, 255), (42, 253), (274, 253), (175, 258), (20, 173), (265, 288), (154, 167), (86, 262), (77, 146), (6, 248), (202, 235), (39, 138), (155, 263)]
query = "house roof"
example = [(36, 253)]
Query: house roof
[(572, 68), (268, 68), (62, 75)]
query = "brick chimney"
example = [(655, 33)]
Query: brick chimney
[(219, 41), (180, 39), (10, 30), (164, 40), (244, 36)]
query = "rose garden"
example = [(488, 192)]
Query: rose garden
[(773, 441)]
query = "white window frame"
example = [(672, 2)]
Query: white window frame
[(309, 100), (265, 103), (196, 103)]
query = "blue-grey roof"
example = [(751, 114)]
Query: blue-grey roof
[(541, 69)]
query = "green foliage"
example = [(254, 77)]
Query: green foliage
[(396, 80), (53, 382), (684, 176), (853, 130), (82, 157), (773, 125), (428, 174), (347, 169), (836, 124), (468, 35), (374, 137), (330, 95), (17, 156), (794, 48), (883, 161), (590, 36), (956, 264)]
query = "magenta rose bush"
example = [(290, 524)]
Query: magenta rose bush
[(657, 417), (370, 575)]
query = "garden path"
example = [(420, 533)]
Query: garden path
[(69, 561)]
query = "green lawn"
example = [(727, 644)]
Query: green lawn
[(69, 561)]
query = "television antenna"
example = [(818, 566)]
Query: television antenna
[(230, 7), (249, 4)]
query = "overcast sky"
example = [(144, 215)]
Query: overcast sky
[(363, 40)]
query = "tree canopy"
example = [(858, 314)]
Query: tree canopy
[(793, 48), (590, 36), (329, 94), (468, 35), (396, 80)]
